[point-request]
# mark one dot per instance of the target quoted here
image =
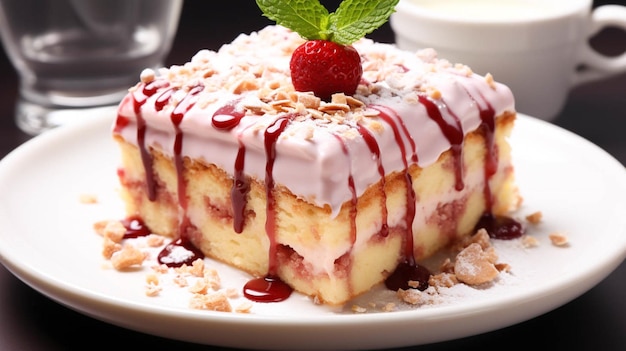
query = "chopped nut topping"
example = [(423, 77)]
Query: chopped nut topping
[(443, 280), (503, 267), (109, 247), (216, 301), (309, 101), (99, 226), (152, 278), (244, 307), (339, 98), (558, 239), (489, 79), (245, 85), (389, 307), (162, 269), (232, 293), (435, 94), (88, 199), (354, 103), (333, 108), (201, 286), (417, 297), (473, 266), (153, 290), (358, 309), (530, 241), (376, 126), (128, 257), (481, 237), (181, 281), (154, 240), (534, 218), (113, 230), (152, 285), (147, 75), (412, 296)]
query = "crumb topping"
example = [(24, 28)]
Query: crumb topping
[(88, 199), (559, 239), (535, 217), (475, 266)]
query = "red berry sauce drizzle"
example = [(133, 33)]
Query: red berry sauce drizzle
[(271, 288), (180, 251), (375, 150), (452, 130), (498, 227), (135, 227), (175, 254), (140, 96), (408, 269), (226, 118)]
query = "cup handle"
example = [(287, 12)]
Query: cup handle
[(596, 65)]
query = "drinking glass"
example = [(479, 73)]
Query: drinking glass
[(75, 56)]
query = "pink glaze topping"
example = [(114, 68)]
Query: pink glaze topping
[(236, 108)]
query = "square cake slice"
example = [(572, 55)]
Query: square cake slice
[(222, 154)]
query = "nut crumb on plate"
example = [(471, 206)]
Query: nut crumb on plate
[(529, 241), (88, 199), (214, 301), (475, 266), (113, 230), (558, 239), (534, 218), (358, 309), (109, 247), (127, 257), (153, 289), (244, 307)]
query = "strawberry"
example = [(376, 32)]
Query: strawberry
[(325, 68), (327, 63)]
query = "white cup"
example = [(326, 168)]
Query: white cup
[(539, 48)]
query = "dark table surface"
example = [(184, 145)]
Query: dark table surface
[(594, 321)]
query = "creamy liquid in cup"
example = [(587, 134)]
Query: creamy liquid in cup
[(493, 10)]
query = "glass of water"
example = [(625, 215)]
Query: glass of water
[(74, 56)]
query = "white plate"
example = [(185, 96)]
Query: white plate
[(46, 239)]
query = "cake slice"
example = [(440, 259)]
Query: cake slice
[(222, 154)]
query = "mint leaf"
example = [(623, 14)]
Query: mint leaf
[(309, 18), (356, 18)]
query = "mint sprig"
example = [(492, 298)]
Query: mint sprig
[(352, 20)]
